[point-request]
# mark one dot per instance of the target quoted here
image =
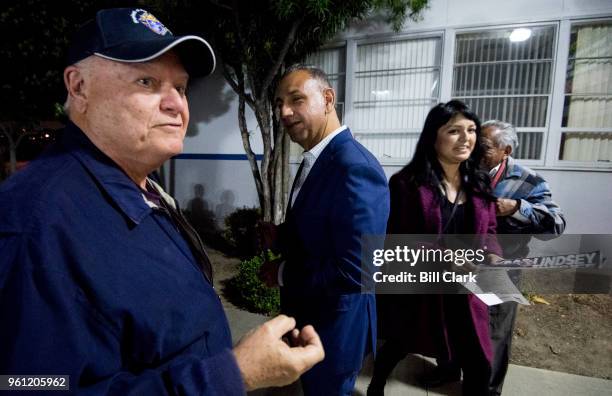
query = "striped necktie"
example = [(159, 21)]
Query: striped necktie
[(300, 177)]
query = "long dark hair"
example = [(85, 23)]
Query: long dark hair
[(425, 169)]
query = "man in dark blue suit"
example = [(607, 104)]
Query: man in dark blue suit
[(339, 194)]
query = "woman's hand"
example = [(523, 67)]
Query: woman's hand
[(493, 259)]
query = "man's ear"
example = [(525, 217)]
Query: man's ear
[(75, 82), (329, 95), (508, 150)]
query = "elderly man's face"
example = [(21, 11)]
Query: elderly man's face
[(301, 105), (493, 154), (138, 111)]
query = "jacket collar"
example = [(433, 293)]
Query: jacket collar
[(513, 170), (110, 178), (322, 163), (432, 214)]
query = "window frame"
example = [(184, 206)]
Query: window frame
[(545, 130), (352, 44), (554, 146)]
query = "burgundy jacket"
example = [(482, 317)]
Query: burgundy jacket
[(416, 211)]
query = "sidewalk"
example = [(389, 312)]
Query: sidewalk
[(520, 381)]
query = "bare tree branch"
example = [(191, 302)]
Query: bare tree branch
[(218, 4), (280, 59), (5, 130), (230, 80), (238, 24), (252, 85), (11, 131), (20, 138), (236, 87)]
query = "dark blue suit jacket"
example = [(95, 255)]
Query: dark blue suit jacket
[(344, 197)]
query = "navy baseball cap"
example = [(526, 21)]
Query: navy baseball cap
[(135, 35)]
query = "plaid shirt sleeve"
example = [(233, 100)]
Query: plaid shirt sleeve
[(538, 213)]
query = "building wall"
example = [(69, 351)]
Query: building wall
[(227, 184), (452, 13), (584, 195), (213, 126)]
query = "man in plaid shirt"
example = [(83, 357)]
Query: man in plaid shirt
[(524, 207)]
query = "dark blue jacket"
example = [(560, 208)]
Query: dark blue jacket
[(97, 285), (344, 197)]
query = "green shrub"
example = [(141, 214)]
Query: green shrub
[(241, 231), (249, 292)]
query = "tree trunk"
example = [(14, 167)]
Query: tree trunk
[(263, 116), (11, 131), (7, 129), (269, 176), (246, 143), (281, 170), (286, 170), (272, 196), (13, 156)]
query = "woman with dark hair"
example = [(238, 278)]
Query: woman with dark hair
[(441, 191)]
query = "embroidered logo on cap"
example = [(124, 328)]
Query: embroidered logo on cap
[(147, 19)]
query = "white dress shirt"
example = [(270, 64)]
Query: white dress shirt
[(309, 158)]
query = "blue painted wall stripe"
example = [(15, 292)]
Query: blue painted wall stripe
[(225, 157)]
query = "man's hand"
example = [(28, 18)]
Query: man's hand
[(266, 360), (506, 207), (267, 233), (268, 273)]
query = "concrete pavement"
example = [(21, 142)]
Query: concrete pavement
[(520, 381)]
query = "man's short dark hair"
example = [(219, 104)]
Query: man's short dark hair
[(314, 72)]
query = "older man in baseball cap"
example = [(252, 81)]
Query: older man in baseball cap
[(102, 280)]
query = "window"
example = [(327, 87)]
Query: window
[(506, 74), (552, 80), (395, 84), (587, 111)]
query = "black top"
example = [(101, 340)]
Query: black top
[(456, 223)]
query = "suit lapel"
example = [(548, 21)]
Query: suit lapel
[(320, 165)]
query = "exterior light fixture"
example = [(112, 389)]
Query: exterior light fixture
[(381, 94), (520, 34)]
